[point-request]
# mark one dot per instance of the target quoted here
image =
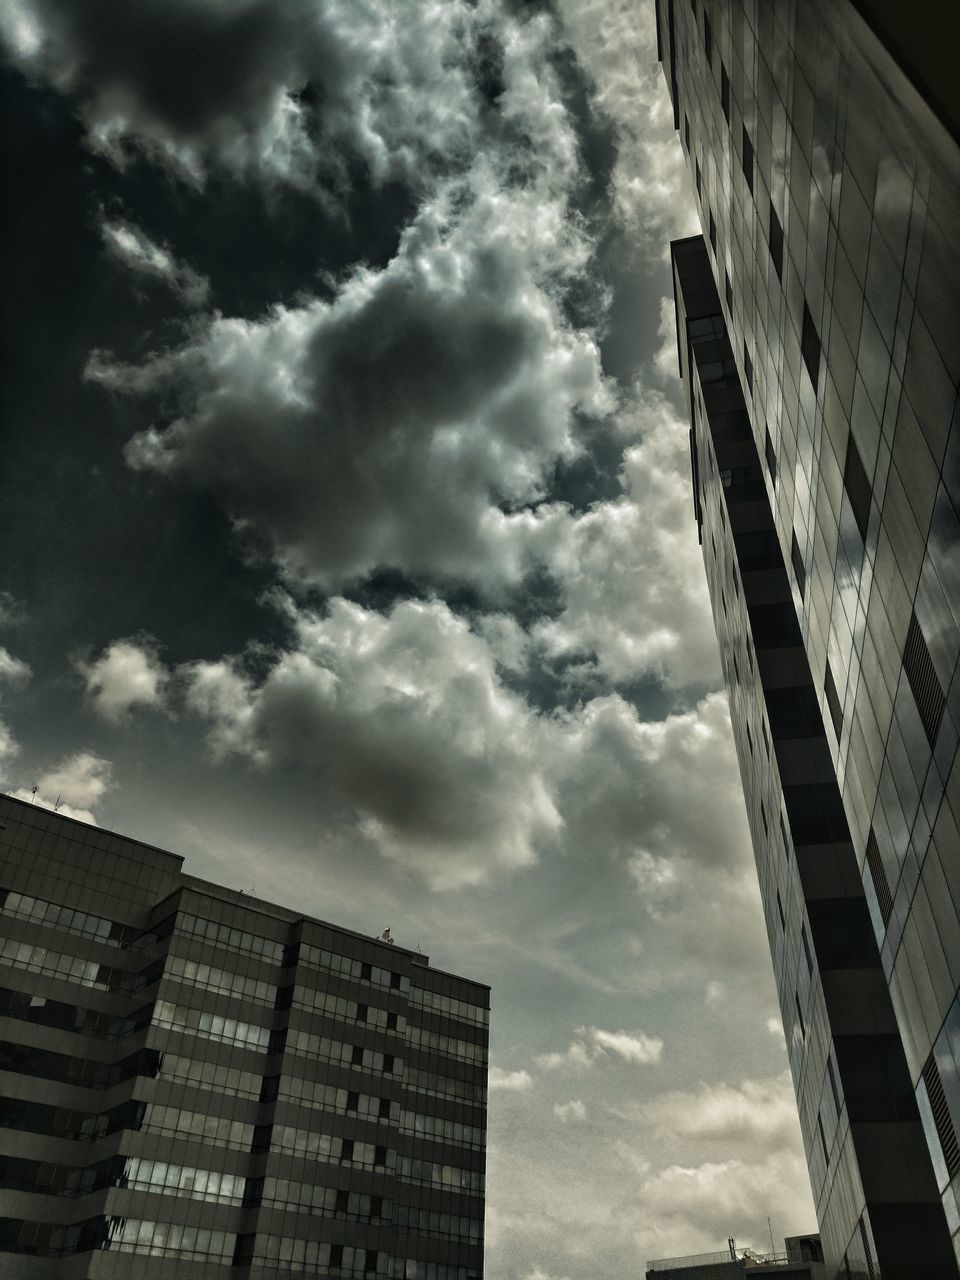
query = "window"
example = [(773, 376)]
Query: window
[(748, 368), (699, 179), (783, 919), (922, 678), (833, 700), (796, 559), (833, 1085), (878, 874), (800, 1022), (725, 92), (708, 40), (858, 488), (686, 130), (746, 156), (770, 452), (823, 1141), (713, 234), (810, 346), (728, 292), (776, 242)]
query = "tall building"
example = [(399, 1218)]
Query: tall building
[(197, 1083), (818, 325)]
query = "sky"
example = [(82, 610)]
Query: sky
[(349, 551)]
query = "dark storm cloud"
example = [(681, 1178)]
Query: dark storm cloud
[(270, 87), (390, 427)]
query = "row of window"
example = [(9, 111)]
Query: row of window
[(167, 1239), (449, 1006), (212, 1026), (334, 1006), (295, 1141), (39, 911), (328, 1097), (213, 1131), (223, 981), (181, 1180), (449, 1177), (55, 964), (439, 1086), (223, 935), (442, 1130), (202, 1244), (209, 1075), (345, 967), (310, 1045), (451, 1046)]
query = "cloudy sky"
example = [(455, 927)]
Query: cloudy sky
[(349, 550)]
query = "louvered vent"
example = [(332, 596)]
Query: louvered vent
[(865, 1240), (878, 874), (942, 1117), (833, 700), (858, 489), (796, 559), (924, 684)]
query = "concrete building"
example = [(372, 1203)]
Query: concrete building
[(818, 328), (197, 1083)]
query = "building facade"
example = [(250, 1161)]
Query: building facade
[(821, 144), (197, 1083)]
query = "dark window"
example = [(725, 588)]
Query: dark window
[(353, 1100), (816, 814), (395, 980), (261, 1138), (269, 1088), (361, 1013), (243, 1249), (746, 156), (800, 1022), (699, 179), (384, 1108), (823, 1141), (713, 234), (366, 971), (379, 1156), (810, 346), (942, 1117), (776, 242), (783, 919), (725, 92), (346, 1150), (796, 559), (356, 1056), (878, 874), (757, 549), (771, 454), (388, 1064), (748, 368), (708, 40), (278, 1041), (763, 819), (336, 1255), (686, 130), (808, 959), (833, 1085), (284, 997), (370, 1263), (833, 700), (342, 1201), (924, 684), (774, 626), (728, 292), (858, 487), (794, 712)]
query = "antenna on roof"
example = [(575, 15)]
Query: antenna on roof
[(33, 796), (770, 1229), (732, 1246), (57, 805)]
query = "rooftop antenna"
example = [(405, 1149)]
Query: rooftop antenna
[(770, 1229), (57, 805), (33, 796), (732, 1246)]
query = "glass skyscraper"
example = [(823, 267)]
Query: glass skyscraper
[(194, 1082), (819, 334)]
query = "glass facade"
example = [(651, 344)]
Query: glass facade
[(193, 1081), (831, 193)]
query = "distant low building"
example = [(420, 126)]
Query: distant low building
[(802, 1259), (195, 1082)]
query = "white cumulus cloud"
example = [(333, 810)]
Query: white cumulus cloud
[(72, 786), (574, 1110), (127, 674)]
